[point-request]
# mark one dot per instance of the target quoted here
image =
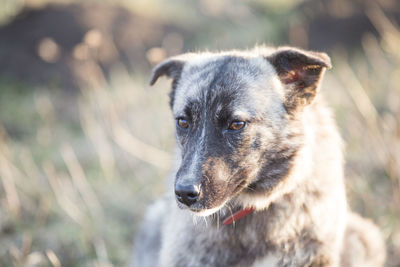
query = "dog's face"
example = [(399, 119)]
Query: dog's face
[(234, 117)]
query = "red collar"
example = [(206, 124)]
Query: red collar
[(238, 215)]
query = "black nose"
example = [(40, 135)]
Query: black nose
[(187, 194)]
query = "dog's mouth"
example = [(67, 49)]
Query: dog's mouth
[(200, 210), (206, 212), (209, 204)]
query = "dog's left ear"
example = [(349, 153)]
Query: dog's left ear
[(300, 72), (171, 67)]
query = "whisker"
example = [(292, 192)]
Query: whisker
[(205, 220), (230, 209), (218, 219), (194, 219)]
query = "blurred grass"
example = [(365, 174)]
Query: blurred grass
[(78, 170), (67, 184)]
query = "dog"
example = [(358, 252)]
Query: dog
[(258, 177)]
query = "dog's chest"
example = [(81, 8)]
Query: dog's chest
[(267, 261), (231, 245)]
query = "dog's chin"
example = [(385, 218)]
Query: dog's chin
[(205, 212), (201, 212)]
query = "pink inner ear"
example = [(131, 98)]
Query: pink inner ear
[(307, 74), (290, 77), (293, 76)]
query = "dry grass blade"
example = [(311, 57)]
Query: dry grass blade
[(388, 30), (81, 183), (139, 149), (101, 252), (53, 258), (72, 210), (8, 181), (97, 134), (363, 104)]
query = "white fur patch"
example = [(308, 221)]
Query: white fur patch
[(205, 213), (268, 261)]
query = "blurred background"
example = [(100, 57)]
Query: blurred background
[(85, 143)]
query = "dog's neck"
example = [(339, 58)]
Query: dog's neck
[(238, 215)]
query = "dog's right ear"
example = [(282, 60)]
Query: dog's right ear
[(300, 72), (171, 68)]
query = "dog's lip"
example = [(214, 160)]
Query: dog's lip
[(180, 205), (192, 209), (200, 211), (206, 212), (197, 210)]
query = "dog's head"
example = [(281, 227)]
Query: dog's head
[(235, 118)]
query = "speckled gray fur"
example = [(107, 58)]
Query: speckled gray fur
[(286, 163)]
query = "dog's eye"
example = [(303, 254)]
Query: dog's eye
[(183, 123), (236, 125)]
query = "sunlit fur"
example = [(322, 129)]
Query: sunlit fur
[(286, 163)]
